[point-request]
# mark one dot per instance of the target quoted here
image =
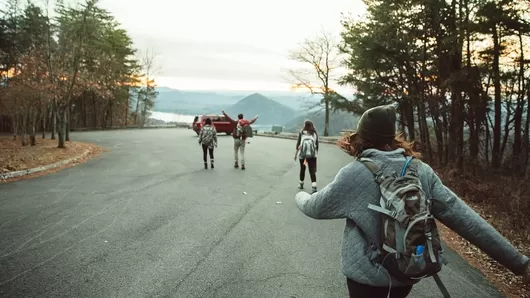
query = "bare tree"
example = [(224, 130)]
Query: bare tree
[(147, 94), (320, 56)]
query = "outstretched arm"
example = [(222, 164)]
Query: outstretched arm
[(449, 209), (254, 119), (333, 201), (228, 118)]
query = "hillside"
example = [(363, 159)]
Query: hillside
[(190, 102), (200, 102), (337, 122), (270, 112)]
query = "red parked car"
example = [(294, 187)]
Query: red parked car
[(220, 123)]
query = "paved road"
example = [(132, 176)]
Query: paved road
[(146, 220)]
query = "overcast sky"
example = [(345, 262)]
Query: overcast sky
[(226, 44)]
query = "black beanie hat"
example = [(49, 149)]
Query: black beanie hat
[(378, 125)]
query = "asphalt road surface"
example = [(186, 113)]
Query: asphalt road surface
[(146, 220)]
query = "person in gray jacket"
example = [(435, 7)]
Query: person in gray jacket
[(354, 188)]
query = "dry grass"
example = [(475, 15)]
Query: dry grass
[(15, 157), (505, 203)]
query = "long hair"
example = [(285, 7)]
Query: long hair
[(309, 127), (354, 145)]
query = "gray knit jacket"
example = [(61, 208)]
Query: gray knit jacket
[(354, 188)]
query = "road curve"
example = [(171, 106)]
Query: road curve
[(146, 220)]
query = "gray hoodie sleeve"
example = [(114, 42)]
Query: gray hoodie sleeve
[(331, 202), (449, 209)]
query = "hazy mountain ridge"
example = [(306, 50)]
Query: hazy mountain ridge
[(338, 121), (270, 112), (280, 108), (200, 102)]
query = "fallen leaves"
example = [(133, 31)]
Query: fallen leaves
[(15, 157), (484, 197)]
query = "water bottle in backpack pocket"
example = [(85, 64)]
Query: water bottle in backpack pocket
[(417, 262)]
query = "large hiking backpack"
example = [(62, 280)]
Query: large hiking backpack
[(307, 146), (409, 245), (244, 131)]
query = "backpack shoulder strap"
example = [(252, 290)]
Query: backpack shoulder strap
[(371, 165)]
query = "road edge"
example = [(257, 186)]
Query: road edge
[(16, 174), (325, 140)]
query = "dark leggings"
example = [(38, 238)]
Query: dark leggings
[(358, 290), (205, 151), (312, 163)]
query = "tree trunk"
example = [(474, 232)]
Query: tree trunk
[(507, 123), (67, 123), (85, 116), (54, 121), (518, 121), (137, 108), (44, 116), (526, 137), (33, 132), (15, 127), (496, 152), (24, 129), (61, 127), (95, 112), (127, 109), (326, 116)]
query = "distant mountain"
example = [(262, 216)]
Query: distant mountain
[(191, 103), (337, 121), (201, 102), (270, 112)]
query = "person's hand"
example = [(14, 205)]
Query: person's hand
[(526, 275)]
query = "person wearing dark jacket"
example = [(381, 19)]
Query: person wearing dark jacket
[(354, 188), (239, 139), (307, 141)]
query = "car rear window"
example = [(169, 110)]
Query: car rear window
[(217, 118)]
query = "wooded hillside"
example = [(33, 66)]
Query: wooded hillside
[(459, 71), (64, 67)]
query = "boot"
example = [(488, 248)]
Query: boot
[(206, 166), (211, 164), (300, 185)]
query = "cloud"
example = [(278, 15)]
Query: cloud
[(212, 60)]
